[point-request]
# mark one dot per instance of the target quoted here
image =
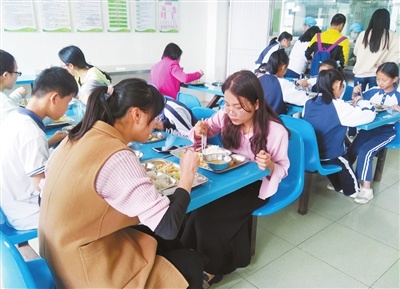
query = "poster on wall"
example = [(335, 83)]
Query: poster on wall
[(168, 13), (55, 16), (145, 16), (18, 16), (88, 16), (118, 18)]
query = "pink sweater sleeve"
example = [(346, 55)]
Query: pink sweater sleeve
[(178, 73), (123, 183)]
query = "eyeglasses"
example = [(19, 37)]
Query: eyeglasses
[(17, 72), (234, 110)]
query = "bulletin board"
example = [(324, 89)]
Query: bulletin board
[(90, 16)]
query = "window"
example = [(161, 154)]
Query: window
[(288, 15)]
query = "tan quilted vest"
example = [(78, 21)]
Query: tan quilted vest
[(87, 243)]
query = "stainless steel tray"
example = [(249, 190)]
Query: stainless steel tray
[(237, 160), (161, 169), (155, 137)]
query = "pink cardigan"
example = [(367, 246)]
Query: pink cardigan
[(277, 146), (167, 75)]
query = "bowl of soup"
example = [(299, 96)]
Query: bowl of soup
[(217, 162)]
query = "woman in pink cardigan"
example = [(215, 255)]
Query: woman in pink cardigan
[(250, 127), (167, 75)]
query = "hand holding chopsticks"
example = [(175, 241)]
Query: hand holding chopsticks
[(200, 130)]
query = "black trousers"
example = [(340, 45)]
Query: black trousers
[(220, 230), (188, 262)]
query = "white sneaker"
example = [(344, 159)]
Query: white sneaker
[(364, 196), (332, 188), (353, 196)]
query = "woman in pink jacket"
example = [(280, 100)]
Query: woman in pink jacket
[(167, 75), (250, 127)]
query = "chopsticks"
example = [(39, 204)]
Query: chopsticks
[(203, 141)]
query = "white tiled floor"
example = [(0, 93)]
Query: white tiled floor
[(337, 244)]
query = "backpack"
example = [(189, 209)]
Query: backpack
[(322, 54)]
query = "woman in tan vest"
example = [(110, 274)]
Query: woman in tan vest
[(96, 193)]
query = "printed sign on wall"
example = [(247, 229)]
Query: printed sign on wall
[(168, 13)]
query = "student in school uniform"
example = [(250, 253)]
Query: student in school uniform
[(283, 41), (25, 148), (368, 143), (176, 119), (328, 105), (277, 66), (272, 89)]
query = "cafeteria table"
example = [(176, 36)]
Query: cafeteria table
[(382, 118), (218, 184), (215, 90)]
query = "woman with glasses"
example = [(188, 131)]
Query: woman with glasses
[(248, 126), (8, 76), (87, 76), (96, 193), (331, 116)]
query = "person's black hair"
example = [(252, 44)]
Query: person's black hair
[(130, 92), (390, 69), (338, 19), (276, 60), (283, 35), (309, 34), (331, 62), (244, 84), (74, 55), (7, 62), (55, 79), (378, 26), (325, 81), (172, 51)]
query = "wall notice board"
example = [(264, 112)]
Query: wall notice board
[(89, 16)]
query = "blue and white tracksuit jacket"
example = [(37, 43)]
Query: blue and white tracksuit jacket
[(330, 122), (369, 142)]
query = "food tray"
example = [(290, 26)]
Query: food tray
[(61, 121), (169, 174), (380, 107), (197, 83), (155, 137), (237, 160)]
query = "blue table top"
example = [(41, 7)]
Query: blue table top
[(381, 119), (216, 90), (218, 185), (26, 79)]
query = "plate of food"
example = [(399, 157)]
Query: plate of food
[(155, 137), (138, 154), (61, 121), (166, 174), (68, 128), (236, 159), (197, 82), (380, 107)]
